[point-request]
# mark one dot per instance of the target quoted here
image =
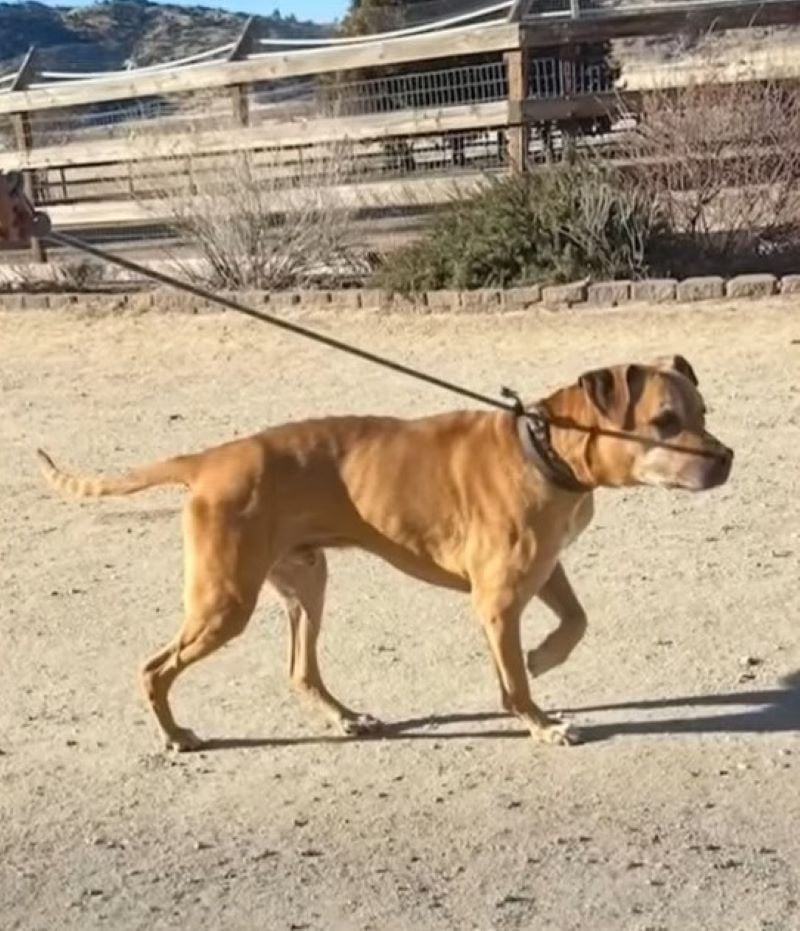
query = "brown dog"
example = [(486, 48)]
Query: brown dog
[(479, 502)]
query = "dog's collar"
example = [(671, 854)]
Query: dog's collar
[(533, 430)]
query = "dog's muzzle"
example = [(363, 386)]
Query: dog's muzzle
[(719, 468)]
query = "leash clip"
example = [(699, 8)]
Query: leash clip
[(518, 407)]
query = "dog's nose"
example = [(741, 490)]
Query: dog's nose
[(722, 469)]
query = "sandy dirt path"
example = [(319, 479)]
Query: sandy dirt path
[(681, 813)]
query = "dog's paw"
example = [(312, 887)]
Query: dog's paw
[(538, 662), (558, 734), (361, 725), (183, 741)]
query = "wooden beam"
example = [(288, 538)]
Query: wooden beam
[(240, 93), (556, 109), (267, 134), (23, 135), (518, 137), (244, 44), (599, 25), (467, 40), (370, 195), (516, 10), (773, 64), (26, 71), (769, 65), (582, 107), (87, 175), (760, 66)]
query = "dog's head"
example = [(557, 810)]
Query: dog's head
[(649, 427)]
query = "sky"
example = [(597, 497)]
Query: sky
[(318, 10)]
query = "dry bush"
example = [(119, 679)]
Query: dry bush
[(79, 275), (258, 226), (57, 276), (723, 162)]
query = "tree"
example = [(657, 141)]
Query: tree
[(368, 16)]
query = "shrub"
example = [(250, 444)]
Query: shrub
[(558, 224), (59, 276), (228, 210), (723, 163)]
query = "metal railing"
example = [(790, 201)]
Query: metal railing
[(553, 77), (443, 87)]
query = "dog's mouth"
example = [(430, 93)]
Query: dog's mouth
[(702, 470), (693, 489), (706, 478)]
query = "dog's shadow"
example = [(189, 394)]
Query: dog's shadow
[(774, 710)]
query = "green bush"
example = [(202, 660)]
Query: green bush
[(574, 221)]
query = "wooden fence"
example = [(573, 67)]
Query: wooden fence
[(409, 119)]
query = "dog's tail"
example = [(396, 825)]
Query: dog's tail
[(177, 471)]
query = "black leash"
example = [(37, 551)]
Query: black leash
[(73, 243), (533, 424)]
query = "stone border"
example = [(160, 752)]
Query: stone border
[(574, 294)]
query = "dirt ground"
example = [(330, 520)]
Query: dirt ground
[(680, 813)]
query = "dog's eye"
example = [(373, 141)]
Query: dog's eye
[(667, 423)]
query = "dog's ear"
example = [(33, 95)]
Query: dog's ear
[(614, 391), (599, 387), (679, 364)]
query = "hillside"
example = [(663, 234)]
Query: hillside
[(106, 35)]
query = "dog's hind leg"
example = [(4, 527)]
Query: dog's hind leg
[(558, 595), (224, 571), (300, 580)]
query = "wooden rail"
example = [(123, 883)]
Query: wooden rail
[(674, 18), (366, 196), (469, 40), (106, 181), (266, 134)]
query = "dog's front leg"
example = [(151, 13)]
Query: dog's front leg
[(500, 614), (558, 595)]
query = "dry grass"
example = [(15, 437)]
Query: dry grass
[(257, 229), (723, 162)]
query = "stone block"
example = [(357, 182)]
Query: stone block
[(790, 284), (375, 299), (480, 300), (443, 301), (284, 300), (608, 293), (701, 288), (654, 290), (343, 299), (521, 298), (564, 295), (751, 286)]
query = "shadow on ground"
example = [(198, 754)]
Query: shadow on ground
[(774, 710)]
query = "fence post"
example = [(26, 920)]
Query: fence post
[(23, 135), (239, 92), (518, 130), (569, 64)]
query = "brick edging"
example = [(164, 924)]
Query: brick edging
[(573, 294)]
